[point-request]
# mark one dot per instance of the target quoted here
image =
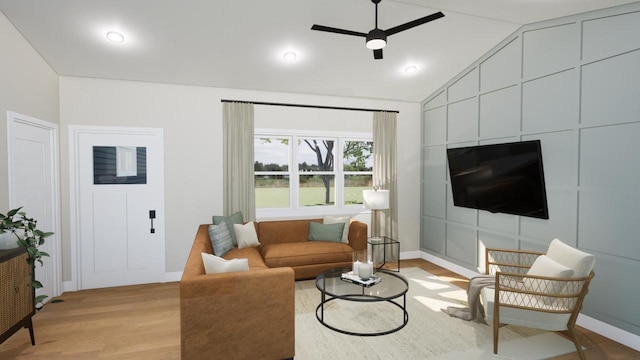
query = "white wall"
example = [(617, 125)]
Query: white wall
[(312, 119), (28, 86), (573, 83), (191, 117)]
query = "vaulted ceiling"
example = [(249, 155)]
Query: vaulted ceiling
[(240, 43)]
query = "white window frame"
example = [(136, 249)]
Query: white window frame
[(294, 210)]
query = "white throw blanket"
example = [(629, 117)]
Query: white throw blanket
[(475, 311)]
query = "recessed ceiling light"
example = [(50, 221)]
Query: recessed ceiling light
[(115, 37), (410, 69), (289, 56)]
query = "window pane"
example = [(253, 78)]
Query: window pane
[(353, 186), (357, 155), (272, 191), (271, 154), (317, 190), (315, 154)]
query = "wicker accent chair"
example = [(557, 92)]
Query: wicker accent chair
[(537, 290)]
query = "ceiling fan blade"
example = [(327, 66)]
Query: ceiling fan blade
[(337, 31), (414, 23), (377, 54)]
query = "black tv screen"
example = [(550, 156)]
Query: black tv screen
[(506, 178)]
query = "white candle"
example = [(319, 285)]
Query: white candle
[(365, 270), (356, 265)]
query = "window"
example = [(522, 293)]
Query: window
[(330, 173), (271, 168)]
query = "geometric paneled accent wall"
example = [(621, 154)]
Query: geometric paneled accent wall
[(574, 84)]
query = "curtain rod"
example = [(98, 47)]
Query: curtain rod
[(309, 106)]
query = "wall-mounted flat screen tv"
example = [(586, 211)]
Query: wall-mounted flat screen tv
[(506, 178)]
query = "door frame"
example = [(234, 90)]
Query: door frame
[(54, 149), (75, 131)]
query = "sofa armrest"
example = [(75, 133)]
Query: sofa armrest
[(358, 235), (245, 315)]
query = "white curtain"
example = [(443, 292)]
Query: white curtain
[(384, 171), (238, 182)]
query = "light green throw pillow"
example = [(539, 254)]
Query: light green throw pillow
[(346, 220), (220, 238), (325, 232), (235, 218)]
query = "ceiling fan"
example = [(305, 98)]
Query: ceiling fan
[(377, 38)]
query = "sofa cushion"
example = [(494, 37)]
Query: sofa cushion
[(305, 253), (346, 220), (326, 232), (215, 265), (246, 235), (220, 238), (235, 218), (251, 254), (284, 231)]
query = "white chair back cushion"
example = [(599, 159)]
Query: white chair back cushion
[(581, 262)]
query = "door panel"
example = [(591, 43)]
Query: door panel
[(115, 242), (33, 154)]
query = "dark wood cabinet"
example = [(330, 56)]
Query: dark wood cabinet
[(16, 293)]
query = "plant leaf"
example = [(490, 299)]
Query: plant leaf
[(13, 212)]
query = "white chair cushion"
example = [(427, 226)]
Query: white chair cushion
[(522, 317), (544, 266), (581, 262)]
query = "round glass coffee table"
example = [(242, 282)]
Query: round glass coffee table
[(392, 286)]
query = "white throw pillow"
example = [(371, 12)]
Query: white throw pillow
[(246, 235), (544, 266), (339, 220), (581, 262), (215, 265)]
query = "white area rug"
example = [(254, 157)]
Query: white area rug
[(430, 333)]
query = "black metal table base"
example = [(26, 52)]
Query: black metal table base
[(403, 307)]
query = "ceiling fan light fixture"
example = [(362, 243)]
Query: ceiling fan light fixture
[(376, 39)]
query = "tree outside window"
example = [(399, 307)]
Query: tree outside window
[(324, 175)]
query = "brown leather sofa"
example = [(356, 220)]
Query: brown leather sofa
[(251, 315)]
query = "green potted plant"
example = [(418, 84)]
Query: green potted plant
[(16, 226)]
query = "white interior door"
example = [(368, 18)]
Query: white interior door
[(120, 184), (33, 185)]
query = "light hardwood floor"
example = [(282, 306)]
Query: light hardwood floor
[(143, 322)]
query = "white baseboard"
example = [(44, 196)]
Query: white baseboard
[(172, 276), (448, 265), (597, 326), (616, 334), (69, 286), (410, 255)]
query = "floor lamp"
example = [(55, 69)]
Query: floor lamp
[(375, 200)]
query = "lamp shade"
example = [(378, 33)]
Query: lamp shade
[(376, 199)]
